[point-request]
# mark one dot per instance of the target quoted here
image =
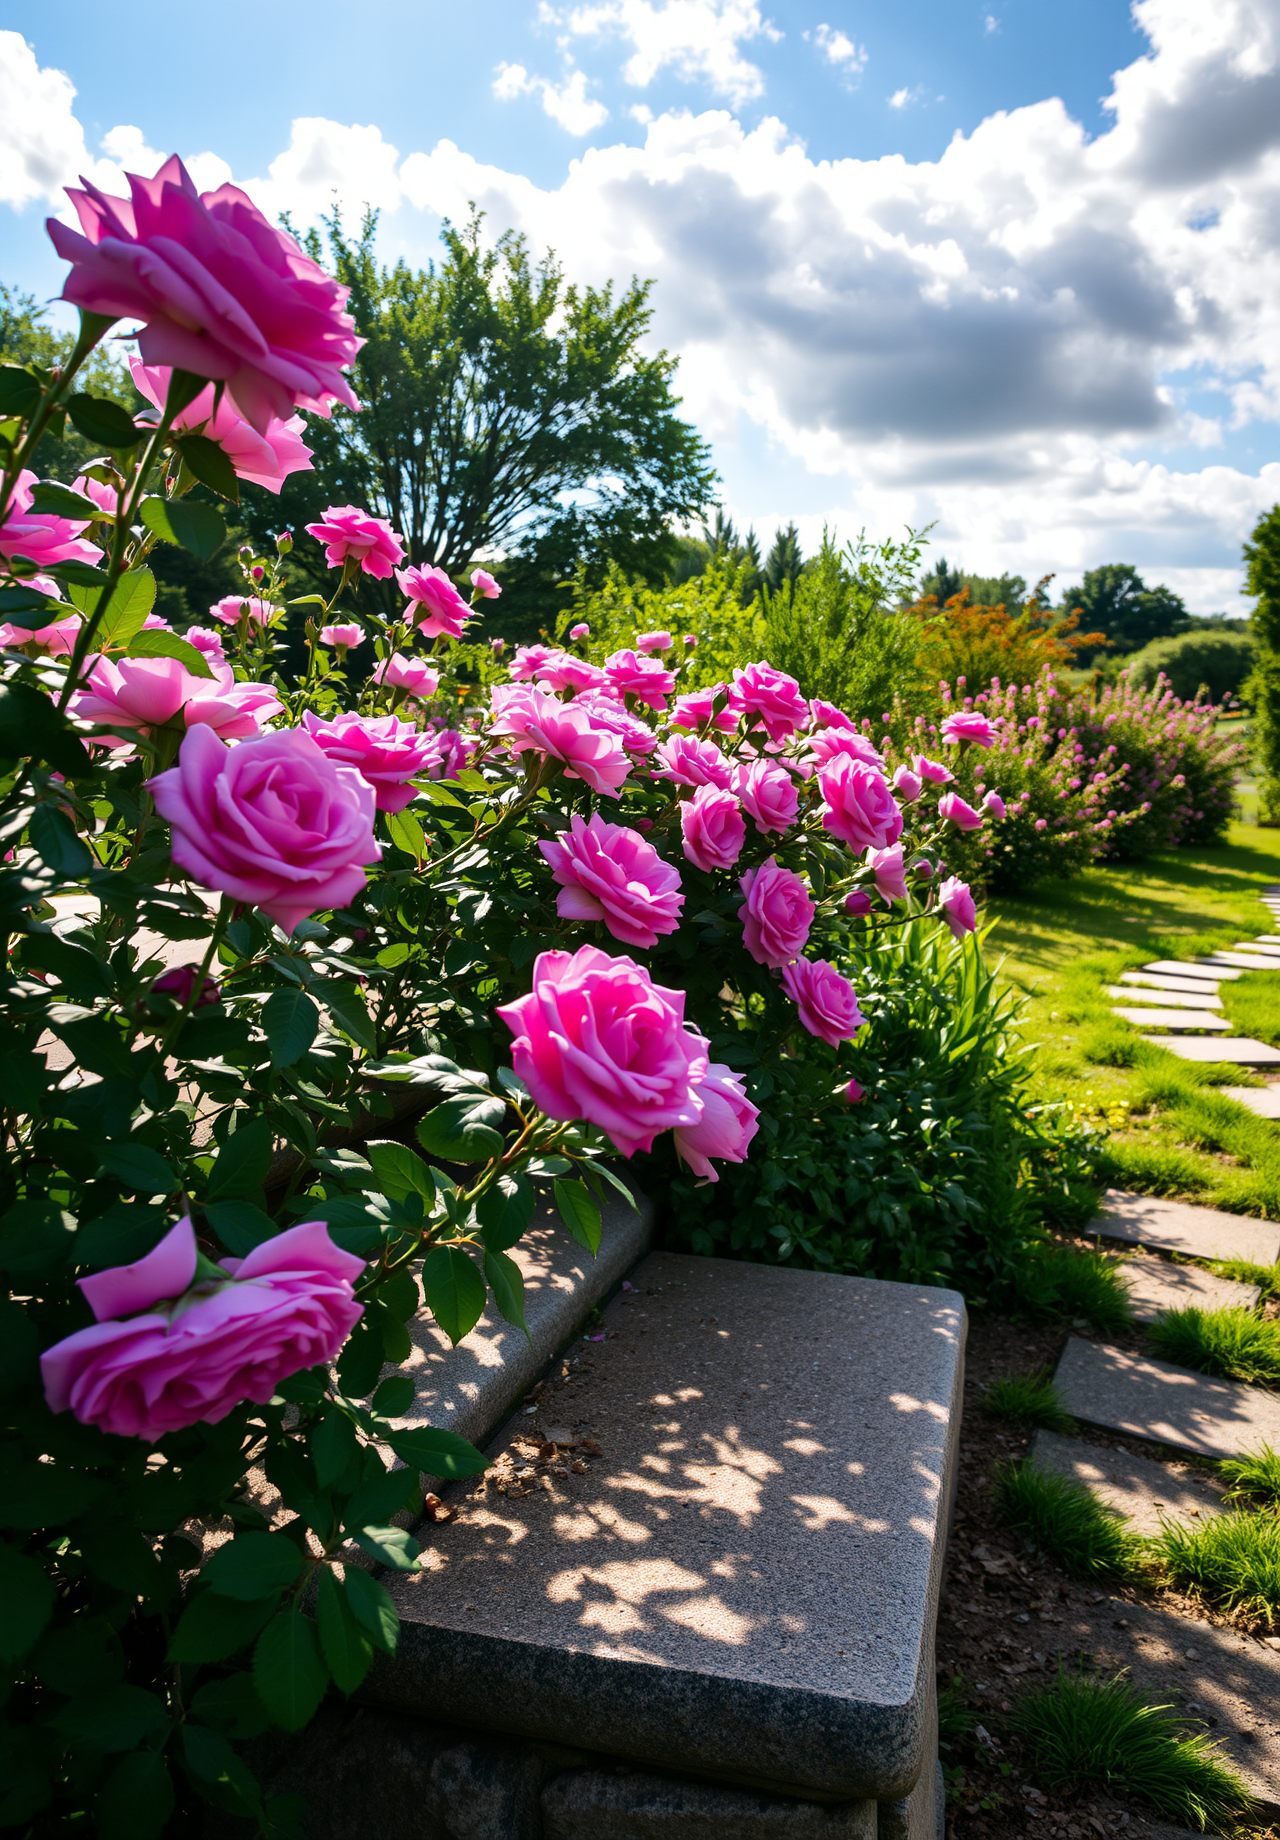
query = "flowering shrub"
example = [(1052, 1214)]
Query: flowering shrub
[(267, 927)]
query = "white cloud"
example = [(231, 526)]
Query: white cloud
[(566, 103), (839, 49), (903, 98), (699, 39), (990, 24)]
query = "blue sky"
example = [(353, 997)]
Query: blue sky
[(930, 262)]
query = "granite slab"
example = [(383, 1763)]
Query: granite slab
[(1243, 1050), (742, 1577), (1164, 1404), (1144, 1491), (1264, 1100), (1157, 980), (1177, 1226), (1181, 967), (1158, 1284), (1172, 999), (1184, 1020), (1244, 961), (1265, 942)]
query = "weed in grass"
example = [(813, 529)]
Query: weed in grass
[(1082, 1731), (1233, 1343), (1244, 1271), (1062, 1281), (1231, 1559), (1070, 1525), (1253, 1478), (956, 1719), (1028, 1399)]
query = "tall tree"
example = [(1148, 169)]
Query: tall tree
[(941, 582), (785, 561), (1115, 600), (1262, 577), (505, 412)]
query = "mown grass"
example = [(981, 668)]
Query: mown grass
[(1081, 1731), (1028, 1399), (1235, 1344), (1244, 1271), (1068, 1523), (1062, 1281), (1171, 1132), (1232, 1560), (1254, 1478)]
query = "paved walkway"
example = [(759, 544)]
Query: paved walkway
[(1182, 996)]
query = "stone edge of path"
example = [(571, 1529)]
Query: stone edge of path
[(1163, 1404), (1177, 1226), (1155, 1285), (1235, 1050), (1143, 1489)]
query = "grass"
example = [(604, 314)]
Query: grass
[(1083, 1731), (1171, 1132), (1232, 1343), (1232, 1560), (1062, 1281), (1244, 1271), (1255, 1478), (956, 1719), (1028, 1399), (1068, 1523)]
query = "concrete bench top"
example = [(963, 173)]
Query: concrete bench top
[(737, 1574)]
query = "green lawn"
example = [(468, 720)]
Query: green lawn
[(1171, 1132)]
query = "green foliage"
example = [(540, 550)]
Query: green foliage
[(1067, 1522), (1255, 1477), (1216, 662), (1232, 1560), (1262, 689), (1064, 1281), (707, 605), (1234, 1343), (1028, 1399), (1115, 600), (1082, 1732)]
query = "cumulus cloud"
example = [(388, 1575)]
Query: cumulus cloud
[(698, 39), (566, 103), (839, 49)]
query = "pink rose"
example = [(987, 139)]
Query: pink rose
[(40, 536), (146, 693), (58, 639), (713, 828), (352, 535), (104, 498), (178, 982), (183, 1359), (271, 821), (955, 903), (529, 719), (831, 743), (827, 715), (697, 708), (858, 904), (412, 675), (768, 795), (527, 661), (690, 640), (907, 785), (580, 631), (597, 1039), (854, 1093), (995, 805), (643, 678), (932, 770), (891, 876), (858, 806), (219, 290), (607, 872), (565, 672), (726, 1127), (654, 642), (827, 1002), (484, 584), (606, 713), (434, 603), (760, 690), (967, 725), (777, 915), (233, 608), (265, 459), (691, 762), (384, 751), (954, 809), (343, 638), (207, 643)]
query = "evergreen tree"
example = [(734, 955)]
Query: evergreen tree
[(782, 570), (1262, 577), (941, 581)]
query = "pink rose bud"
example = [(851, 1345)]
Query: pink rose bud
[(690, 641), (777, 915), (924, 868), (726, 1127), (484, 584), (352, 535), (607, 872), (956, 906), (889, 871), (827, 1002), (907, 785), (178, 983), (343, 638), (257, 571), (284, 542), (968, 726), (713, 828), (157, 1360), (955, 810), (597, 1039), (994, 804), (499, 647), (858, 904), (580, 631), (654, 642), (854, 1093), (413, 675)]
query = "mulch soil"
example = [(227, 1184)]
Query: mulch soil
[(1009, 1618)]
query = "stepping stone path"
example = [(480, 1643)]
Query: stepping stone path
[(1245, 961), (1176, 1226), (1175, 967), (1164, 1404), (1171, 999), (1188, 986), (1157, 1284), (1237, 1050), (1145, 1491), (1264, 1100), (1172, 1019)]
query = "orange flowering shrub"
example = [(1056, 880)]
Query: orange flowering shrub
[(975, 643)]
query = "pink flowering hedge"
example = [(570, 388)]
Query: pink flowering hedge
[(318, 985)]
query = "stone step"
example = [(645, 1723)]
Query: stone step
[(1244, 961), (1264, 1100), (1143, 1490), (1177, 1226), (742, 1578), (1265, 942), (1171, 999), (1187, 968), (1156, 980), (1241, 1050), (1164, 1404), (1157, 1284), (1182, 1019)]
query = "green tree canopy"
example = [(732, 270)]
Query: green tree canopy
[(506, 411), (1262, 578), (1115, 600), (1219, 659)]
